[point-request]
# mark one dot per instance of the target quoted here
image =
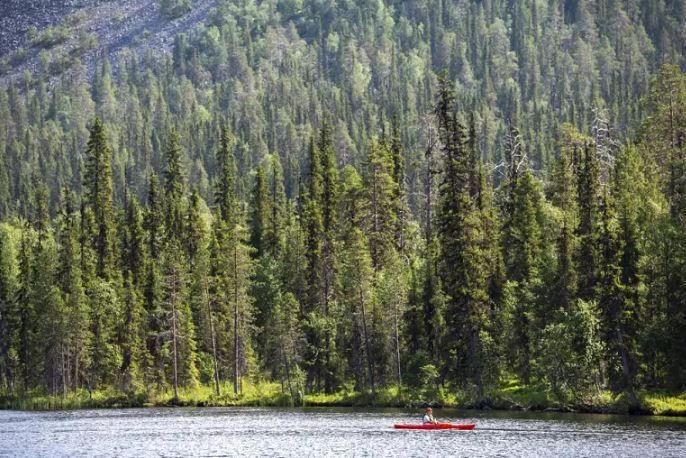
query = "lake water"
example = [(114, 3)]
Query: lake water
[(330, 432)]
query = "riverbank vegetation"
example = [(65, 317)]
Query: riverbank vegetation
[(510, 397), (482, 203)]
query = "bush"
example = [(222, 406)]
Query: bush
[(18, 56), (76, 18), (173, 9), (85, 43), (569, 353), (51, 36)]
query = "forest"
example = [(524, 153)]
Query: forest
[(424, 201)]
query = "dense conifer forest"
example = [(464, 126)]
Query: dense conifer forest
[(431, 197)]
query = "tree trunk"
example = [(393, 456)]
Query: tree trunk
[(328, 388), (287, 366), (64, 372), (174, 339), (397, 354), (370, 361), (235, 318), (477, 365), (627, 372), (214, 341)]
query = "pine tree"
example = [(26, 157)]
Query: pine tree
[(563, 191), (133, 243), (104, 353), (401, 209), (174, 187), (224, 195), (73, 296), (382, 192), (132, 331), (522, 250), (277, 206), (233, 269), (663, 138), (392, 294), (313, 225), (199, 246), (27, 315), (588, 187), (152, 289), (131, 336), (9, 310), (178, 329), (49, 312), (287, 340), (98, 199), (357, 289), (259, 213), (622, 286), (329, 211), (463, 266)]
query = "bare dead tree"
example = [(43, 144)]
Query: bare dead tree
[(605, 144)]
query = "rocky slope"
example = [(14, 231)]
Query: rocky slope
[(85, 29)]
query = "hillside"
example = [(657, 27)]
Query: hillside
[(84, 30), (449, 195)]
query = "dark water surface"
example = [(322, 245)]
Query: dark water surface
[(331, 432)]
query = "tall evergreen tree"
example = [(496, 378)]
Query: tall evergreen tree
[(382, 192), (9, 311), (98, 199), (588, 188), (174, 187), (463, 271), (225, 192), (73, 296), (259, 213), (278, 207)]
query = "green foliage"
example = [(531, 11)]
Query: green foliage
[(570, 352), (51, 36), (329, 219), (173, 9)]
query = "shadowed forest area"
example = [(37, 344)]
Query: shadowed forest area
[(473, 203)]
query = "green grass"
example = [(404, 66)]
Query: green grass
[(660, 403), (510, 396), (513, 395), (265, 394)]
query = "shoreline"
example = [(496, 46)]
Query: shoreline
[(652, 403)]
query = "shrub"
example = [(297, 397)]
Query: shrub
[(51, 36), (173, 9)]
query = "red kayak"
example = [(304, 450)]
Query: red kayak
[(461, 426)]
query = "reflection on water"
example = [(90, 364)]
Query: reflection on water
[(331, 432)]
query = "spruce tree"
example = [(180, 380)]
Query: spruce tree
[(278, 206), (98, 199), (73, 295), (588, 188), (174, 187), (463, 266), (382, 195), (224, 194), (233, 269), (357, 289), (313, 226), (152, 289), (564, 197), (259, 213), (9, 310), (329, 211), (522, 251)]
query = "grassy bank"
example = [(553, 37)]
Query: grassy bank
[(509, 397)]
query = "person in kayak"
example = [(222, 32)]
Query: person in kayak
[(429, 417)]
